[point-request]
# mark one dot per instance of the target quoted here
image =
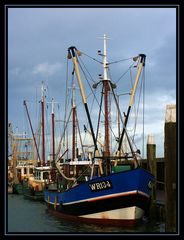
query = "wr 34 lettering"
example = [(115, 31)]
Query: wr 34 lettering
[(102, 185)]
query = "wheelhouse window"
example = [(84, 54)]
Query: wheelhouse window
[(37, 175), (45, 175)]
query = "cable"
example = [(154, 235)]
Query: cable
[(92, 58), (124, 73), (122, 60)]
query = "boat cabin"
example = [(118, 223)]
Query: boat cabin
[(24, 171), (42, 173)]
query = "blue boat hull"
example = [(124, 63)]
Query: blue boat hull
[(119, 196)]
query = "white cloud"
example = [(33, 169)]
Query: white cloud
[(47, 69)]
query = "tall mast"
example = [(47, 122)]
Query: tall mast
[(43, 130), (106, 102), (53, 130), (53, 141), (32, 131)]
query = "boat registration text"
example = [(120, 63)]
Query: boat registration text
[(102, 185)]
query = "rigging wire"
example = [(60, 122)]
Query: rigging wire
[(143, 102), (80, 64), (86, 119), (142, 89), (66, 104), (122, 60), (78, 126), (124, 73), (87, 70), (125, 128), (87, 80), (57, 128), (115, 104), (96, 97), (65, 127), (134, 109), (137, 111), (91, 58)]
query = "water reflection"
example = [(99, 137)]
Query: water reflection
[(26, 216)]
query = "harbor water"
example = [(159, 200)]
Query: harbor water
[(25, 216)]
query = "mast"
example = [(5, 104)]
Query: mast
[(106, 101), (43, 130), (53, 135), (106, 88), (106, 109), (32, 131), (53, 130)]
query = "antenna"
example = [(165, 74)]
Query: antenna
[(105, 63)]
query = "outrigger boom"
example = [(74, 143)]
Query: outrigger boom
[(72, 52)]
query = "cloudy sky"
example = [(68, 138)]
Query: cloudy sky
[(38, 39)]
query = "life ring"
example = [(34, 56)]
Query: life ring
[(149, 184)]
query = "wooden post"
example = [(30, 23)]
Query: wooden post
[(170, 168), (152, 167)]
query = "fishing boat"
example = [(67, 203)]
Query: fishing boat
[(21, 160), (35, 184), (102, 186)]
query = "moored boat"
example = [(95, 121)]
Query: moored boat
[(122, 196), (22, 162), (34, 187), (112, 187)]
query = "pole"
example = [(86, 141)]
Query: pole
[(32, 131), (53, 133), (106, 108), (73, 133), (73, 123), (152, 167), (73, 52), (43, 130), (170, 168)]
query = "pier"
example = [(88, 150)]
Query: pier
[(163, 205)]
